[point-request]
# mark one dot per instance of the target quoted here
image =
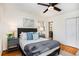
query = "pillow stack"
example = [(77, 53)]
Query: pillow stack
[(29, 35)]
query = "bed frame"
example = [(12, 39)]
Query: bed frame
[(26, 30), (19, 30)]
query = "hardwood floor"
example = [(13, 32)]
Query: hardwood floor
[(12, 53), (69, 49)]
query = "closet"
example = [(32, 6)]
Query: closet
[(72, 31)]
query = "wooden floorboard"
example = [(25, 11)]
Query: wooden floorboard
[(12, 53), (69, 49)]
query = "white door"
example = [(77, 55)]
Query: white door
[(71, 31), (77, 41)]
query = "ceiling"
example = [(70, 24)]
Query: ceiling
[(38, 9)]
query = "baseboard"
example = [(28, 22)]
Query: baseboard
[(4, 51)]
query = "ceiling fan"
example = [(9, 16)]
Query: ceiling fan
[(50, 6)]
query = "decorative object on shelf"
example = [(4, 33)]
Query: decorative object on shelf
[(50, 30), (50, 25)]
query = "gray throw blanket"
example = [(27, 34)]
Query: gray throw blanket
[(40, 47)]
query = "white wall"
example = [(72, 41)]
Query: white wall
[(1, 13), (11, 19)]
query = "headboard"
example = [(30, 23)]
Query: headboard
[(19, 30)]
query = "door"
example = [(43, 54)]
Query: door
[(71, 31), (77, 40)]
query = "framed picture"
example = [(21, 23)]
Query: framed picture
[(28, 23)]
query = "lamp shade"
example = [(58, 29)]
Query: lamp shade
[(41, 29), (50, 8)]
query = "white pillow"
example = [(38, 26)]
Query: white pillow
[(35, 35), (23, 35)]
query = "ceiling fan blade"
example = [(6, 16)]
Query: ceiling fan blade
[(45, 10), (52, 4), (57, 9), (42, 4)]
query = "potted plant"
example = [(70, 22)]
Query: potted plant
[(10, 35)]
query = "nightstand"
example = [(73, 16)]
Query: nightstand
[(12, 44)]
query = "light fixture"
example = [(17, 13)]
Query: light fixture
[(50, 8)]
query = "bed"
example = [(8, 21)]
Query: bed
[(39, 47)]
